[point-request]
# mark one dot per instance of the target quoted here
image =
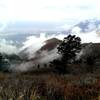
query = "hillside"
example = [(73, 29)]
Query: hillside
[(50, 44)]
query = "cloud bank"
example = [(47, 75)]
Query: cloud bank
[(8, 47), (87, 37), (67, 11), (34, 43)]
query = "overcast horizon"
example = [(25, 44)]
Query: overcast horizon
[(63, 12), (21, 19)]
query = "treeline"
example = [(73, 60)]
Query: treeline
[(69, 49), (6, 60)]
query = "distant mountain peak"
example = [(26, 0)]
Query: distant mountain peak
[(50, 44)]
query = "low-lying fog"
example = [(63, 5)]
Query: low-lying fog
[(34, 43)]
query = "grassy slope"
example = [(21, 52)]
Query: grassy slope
[(49, 87)]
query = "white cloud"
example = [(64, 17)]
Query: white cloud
[(87, 36), (49, 10), (48, 56), (76, 30), (8, 47), (21, 67), (33, 43), (66, 11)]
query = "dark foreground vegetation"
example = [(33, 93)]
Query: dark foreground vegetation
[(65, 79), (49, 87)]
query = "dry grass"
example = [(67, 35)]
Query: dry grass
[(49, 87)]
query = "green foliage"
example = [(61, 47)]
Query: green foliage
[(4, 63), (6, 60), (89, 57), (69, 47), (90, 64), (1, 61), (59, 66), (90, 60)]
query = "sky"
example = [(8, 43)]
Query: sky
[(66, 12), (48, 10)]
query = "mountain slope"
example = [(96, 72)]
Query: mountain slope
[(50, 44), (47, 51)]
